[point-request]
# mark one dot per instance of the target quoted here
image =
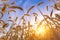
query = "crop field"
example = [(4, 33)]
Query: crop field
[(16, 23)]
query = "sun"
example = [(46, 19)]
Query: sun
[(42, 30)]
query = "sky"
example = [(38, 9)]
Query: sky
[(26, 4)]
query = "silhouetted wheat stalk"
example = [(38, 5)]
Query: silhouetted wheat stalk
[(47, 8), (11, 11), (16, 19), (51, 13), (12, 3), (40, 3), (30, 9), (14, 7), (1, 15), (35, 14), (3, 11)]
